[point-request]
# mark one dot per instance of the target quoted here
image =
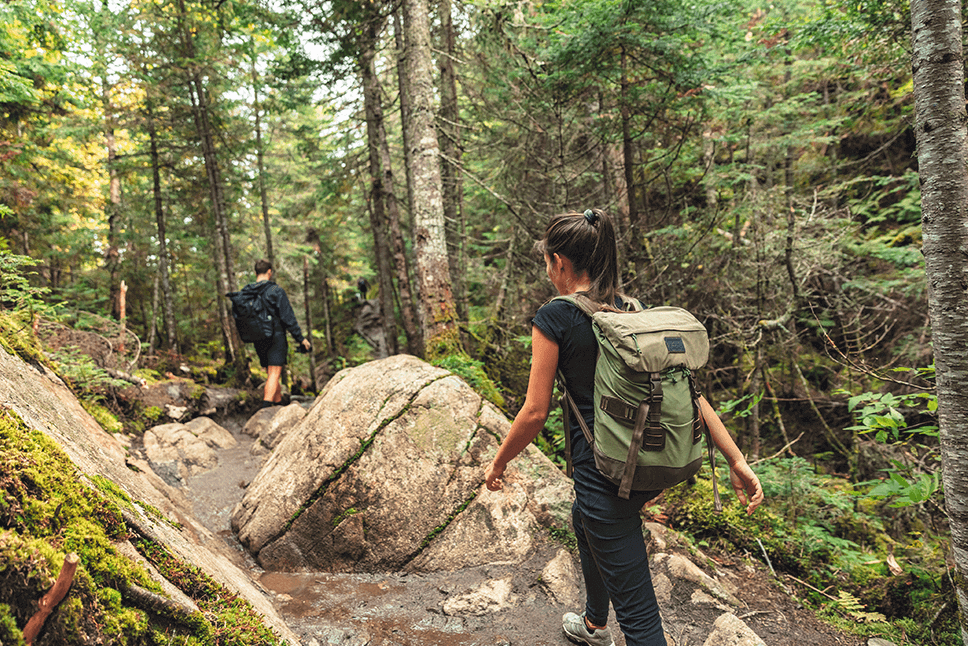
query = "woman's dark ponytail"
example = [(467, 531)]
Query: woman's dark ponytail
[(588, 241)]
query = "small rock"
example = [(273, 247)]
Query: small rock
[(560, 579), (877, 641), (489, 598), (680, 567), (730, 630), (175, 412)]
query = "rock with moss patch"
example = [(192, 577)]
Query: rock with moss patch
[(404, 445)]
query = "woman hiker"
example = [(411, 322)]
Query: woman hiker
[(581, 257)]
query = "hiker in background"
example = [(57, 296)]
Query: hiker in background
[(273, 350), (580, 258)]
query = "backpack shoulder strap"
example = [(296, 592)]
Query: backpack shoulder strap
[(582, 302)]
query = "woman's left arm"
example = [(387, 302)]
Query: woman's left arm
[(745, 482), (531, 418)]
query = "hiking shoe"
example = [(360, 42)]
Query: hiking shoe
[(577, 631)]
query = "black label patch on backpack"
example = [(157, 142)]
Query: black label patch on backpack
[(675, 345)]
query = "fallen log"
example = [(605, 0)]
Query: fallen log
[(53, 597)]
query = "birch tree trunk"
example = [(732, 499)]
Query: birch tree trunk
[(940, 128), (436, 313)]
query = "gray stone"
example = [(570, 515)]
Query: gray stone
[(730, 630), (679, 567), (258, 421), (491, 597), (211, 433), (560, 578), (281, 423)]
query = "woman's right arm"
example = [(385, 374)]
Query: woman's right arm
[(532, 416)]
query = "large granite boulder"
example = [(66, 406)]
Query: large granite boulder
[(385, 472)]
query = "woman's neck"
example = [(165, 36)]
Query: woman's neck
[(577, 285)]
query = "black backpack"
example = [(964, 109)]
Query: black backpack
[(253, 319)]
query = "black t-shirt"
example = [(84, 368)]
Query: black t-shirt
[(571, 329)]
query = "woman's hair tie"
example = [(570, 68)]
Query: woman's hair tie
[(591, 217)]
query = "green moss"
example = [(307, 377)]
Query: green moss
[(49, 509), (352, 511), (154, 413), (565, 537), (9, 632), (17, 337), (150, 376), (232, 620), (108, 421)]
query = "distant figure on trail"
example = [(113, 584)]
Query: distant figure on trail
[(362, 289), (273, 350), (580, 254)]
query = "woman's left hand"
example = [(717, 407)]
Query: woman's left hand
[(746, 485)]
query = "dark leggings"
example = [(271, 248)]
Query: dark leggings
[(615, 566)]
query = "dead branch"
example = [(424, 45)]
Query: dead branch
[(52, 598)]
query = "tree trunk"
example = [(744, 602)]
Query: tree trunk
[(112, 255), (450, 147), (401, 263), (163, 275), (223, 248), (260, 154), (378, 221), (940, 128), (309, 324), (437, 314), (628, 159), (404, 105)]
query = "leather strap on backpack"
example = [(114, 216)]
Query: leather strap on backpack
[(568, 403), (717, 503)]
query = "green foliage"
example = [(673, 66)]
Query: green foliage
[(472, 371), (16, 291), (885, 417), (812, 527), (82, 373)]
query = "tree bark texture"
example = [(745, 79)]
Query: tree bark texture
[(437, 314), (940, 129), (206, 134), (163, 274), (378, 221), (260, 159), (450, 145)]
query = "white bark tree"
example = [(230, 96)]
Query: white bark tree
[(437, 314), (940, 128)]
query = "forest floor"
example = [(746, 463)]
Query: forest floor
[(399, 609)]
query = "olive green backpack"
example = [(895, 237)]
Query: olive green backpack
[(648, 422)]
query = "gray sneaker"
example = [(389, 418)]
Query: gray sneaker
[(575, 629)]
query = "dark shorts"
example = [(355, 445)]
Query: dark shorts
[(273, 351)]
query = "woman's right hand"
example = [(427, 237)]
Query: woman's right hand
[(492, 476)]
